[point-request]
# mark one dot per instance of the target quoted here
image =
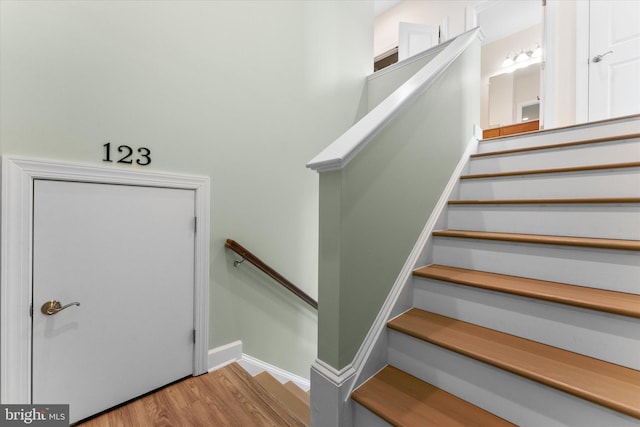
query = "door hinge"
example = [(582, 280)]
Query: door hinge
[(31, 310), (195, 223), (194, 336)]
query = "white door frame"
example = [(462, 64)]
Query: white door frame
[(16, 240), (548, 65), (582, 61)]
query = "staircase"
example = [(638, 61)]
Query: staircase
[(291, 397), (529, 311)]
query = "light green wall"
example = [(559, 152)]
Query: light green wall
[(383, 83), (245, 92), (373, 210)]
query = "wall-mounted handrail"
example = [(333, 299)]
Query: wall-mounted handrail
[(248, 256), (339, 153)]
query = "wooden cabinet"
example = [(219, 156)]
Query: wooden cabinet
[(531, 126)]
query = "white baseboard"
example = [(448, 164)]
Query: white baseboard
[(232, 352), (255, 366), (220, 357)]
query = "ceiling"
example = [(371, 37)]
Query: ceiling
[(501, 18), (381, 6), (498, 18)]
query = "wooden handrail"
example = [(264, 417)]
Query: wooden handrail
[(247, 255)]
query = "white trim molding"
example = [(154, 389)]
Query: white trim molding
[(406, 62), (220, 357), (337, 376), (254, 366), (344, 149), (17, 177), (332, 388), (549, 67), (582, 61)]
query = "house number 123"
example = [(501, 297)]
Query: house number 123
[(143, 157)]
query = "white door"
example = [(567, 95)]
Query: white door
[(614, 53), (416, 38), (126, 255)]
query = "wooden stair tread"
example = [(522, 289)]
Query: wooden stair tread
[(588, 242), (596, 299), (285, 397), (584, 200), (246, 385), (554, 146), (404, 400), (606, 384), (298, 392), (553, 170)]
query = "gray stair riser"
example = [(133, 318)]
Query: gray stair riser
[(362, 417), (580, 155), (626, 127), (595, 334), (602, 183), (613, 270), (519, 400), (612, 221), (608, 337)]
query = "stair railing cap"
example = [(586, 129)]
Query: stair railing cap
[(344, 149)]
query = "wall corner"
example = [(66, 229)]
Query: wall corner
[(331, 405)]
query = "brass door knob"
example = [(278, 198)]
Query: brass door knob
[(52, 307)]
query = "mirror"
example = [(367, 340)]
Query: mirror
[(514, 97)]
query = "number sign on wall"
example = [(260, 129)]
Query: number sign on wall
[(125, 154)]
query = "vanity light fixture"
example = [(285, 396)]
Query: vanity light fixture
[(508, 61), (522, 56), (537, 52)]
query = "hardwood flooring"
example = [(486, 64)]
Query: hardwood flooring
[(226, 397)]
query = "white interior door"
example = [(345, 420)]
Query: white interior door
[(614, 52), (416, 38), (126, 254)]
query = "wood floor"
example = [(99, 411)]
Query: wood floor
[(226, 397)]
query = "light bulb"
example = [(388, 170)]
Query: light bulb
[(536, 52), (522, 56)]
